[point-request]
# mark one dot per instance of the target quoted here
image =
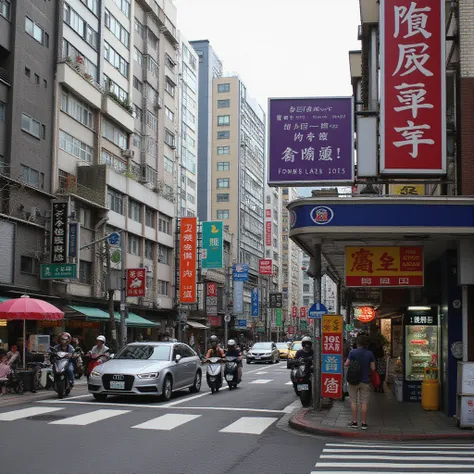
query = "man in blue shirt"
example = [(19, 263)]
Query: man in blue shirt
[(361, 391)]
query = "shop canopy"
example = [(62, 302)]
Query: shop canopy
[(90, 313), (196, 325), (96, 314), (134, 320)]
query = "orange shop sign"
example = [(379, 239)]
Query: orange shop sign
[(187, 260), (364, 314), (384, 266)]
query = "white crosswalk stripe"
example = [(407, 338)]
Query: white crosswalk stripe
[(166, 422), (395, 458), (249, 425), (258, 381), (88, 418), (26, 412)]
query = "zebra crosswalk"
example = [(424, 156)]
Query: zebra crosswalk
[(250, 425), (384, 458)]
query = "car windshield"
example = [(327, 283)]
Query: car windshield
[(282, 345), (296, 346), (144, 352), (262, 346)]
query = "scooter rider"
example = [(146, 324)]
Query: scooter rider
[(100, 351), (65, 346), (307, 351), (215, 350), (232, 351)]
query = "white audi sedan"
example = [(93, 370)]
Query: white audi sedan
[(147, 368)]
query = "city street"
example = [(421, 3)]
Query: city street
[(245, 430)]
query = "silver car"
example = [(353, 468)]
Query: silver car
[(147, 368), (263, 352)]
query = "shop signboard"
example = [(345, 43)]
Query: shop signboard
[(364, 314), (240, 272), (136, 282), (384, 266), (412, 71), (254, 302), (294, 312), (278, 318), (265, 266), (291, 329), (242, 323), (407, 189), (212, 245), (57, 271), (467, 411), (211, 299), (276, 300), (74, 239), (268, 233), (187, 260), (304, 325), (238, 297), (303, 312), (214, 320), (331, 356), (59, 232), (268, 213), (311, 141)]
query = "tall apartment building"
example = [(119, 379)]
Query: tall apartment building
[(291, 259), (107, 145), (188, 128), (210, 67)]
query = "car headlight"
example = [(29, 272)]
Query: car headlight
[(151, 375), (94, 373)]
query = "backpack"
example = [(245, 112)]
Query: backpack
[(354, 373)]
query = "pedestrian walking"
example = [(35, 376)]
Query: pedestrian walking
[(359, 362)]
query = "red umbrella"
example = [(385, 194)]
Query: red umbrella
[(28, 308)]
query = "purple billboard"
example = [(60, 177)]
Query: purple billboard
[(311, 141)]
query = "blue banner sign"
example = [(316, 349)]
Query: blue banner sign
[(255, 302), (240, 272)]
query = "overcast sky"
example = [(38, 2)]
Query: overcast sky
[(279, 48)]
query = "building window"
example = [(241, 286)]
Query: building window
[(139, 28), (223, 135), (77, 23), (30, 125), (85, 272), (37, 79), (29, 265), (169, 62), (223, 120), (169, 113), (116, 28), (169, 165), (113, 161), (223, 104), (149, 249), (169, 138), (191, 184), (75, 147), (223, 150), (223, 165), (152, 120), (114, 58), (222, 214), (138, 113), (164, 224), (306, 288), (223, 183), (138, 85), (124, 5), (222, 197), (27, 71), (2, 112), (164, 254), (77, 109), (112, 86), (149, 217), (170, 87), (85, 218), (31, 176), (223, 87), (138, 56), (163, 287), (134, 245), (115, 201), (152, 65), (5, 8), (35, 31), (150, 174), (134, 210), (69, 51), (191, 199), (114, 134), (92, 5)]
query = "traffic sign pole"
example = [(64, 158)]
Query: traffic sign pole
[(317, 331)]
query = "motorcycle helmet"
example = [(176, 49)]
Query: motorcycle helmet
[(101, 338), (306, 342), (65, 338), (231, 343), (214, 341)]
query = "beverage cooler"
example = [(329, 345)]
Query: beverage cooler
[(421, 342)]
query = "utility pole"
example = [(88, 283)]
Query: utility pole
[(317, 331), (123, 295), (110, 298)]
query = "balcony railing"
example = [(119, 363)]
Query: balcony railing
[(69, 186)]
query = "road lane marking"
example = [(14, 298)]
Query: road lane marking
[(26, 412), (166, 422), (289, 383), (395, 451), (405, 446), (88, 418), (261, 381), (187, 399), (249, 425), (291, 407), (261, 373), (356, 457), (378, 465)]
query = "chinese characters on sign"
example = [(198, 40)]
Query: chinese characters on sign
[(59, 223), (364, 314), (268, 213), (311, 140), (384, 266), (407, 189), (331, 358), (412, 114), (303, 312), (268, 233), (211, 299), (187, 260), (265, 266), (294, 312), (255, 305), (136, 281), (212, 245), (276, 300)]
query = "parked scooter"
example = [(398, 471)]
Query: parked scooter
[(293, 372), (303, 371), (214, 374), (60, 360), (231, 372), (79, 366)]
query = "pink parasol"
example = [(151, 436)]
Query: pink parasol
[(28, 308)]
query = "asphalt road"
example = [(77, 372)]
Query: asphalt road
[(231, 432)]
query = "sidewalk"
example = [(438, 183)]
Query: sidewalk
[(387, 419)]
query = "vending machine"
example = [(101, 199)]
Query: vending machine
[(421, 341)]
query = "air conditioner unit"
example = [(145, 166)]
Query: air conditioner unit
[(128, 153)]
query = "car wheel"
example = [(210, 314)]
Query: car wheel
[(167, 389), (197, 383), (100, 397), (248, 362)]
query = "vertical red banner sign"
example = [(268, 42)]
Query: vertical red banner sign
[(412, 71), (268, 213), (268, 233), (136, 282), (303, 312), (331, 359), (211, 289), (294, 312), (187, 260)]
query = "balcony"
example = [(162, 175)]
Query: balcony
[(80, 83), (69, 186), (5, 28), (112, 106), (4, 77)]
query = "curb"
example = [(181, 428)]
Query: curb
[(299, 422)]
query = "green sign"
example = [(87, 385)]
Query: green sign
[(212, 244), (58, 271), (349, 327), (303, 325), (278, 318)]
